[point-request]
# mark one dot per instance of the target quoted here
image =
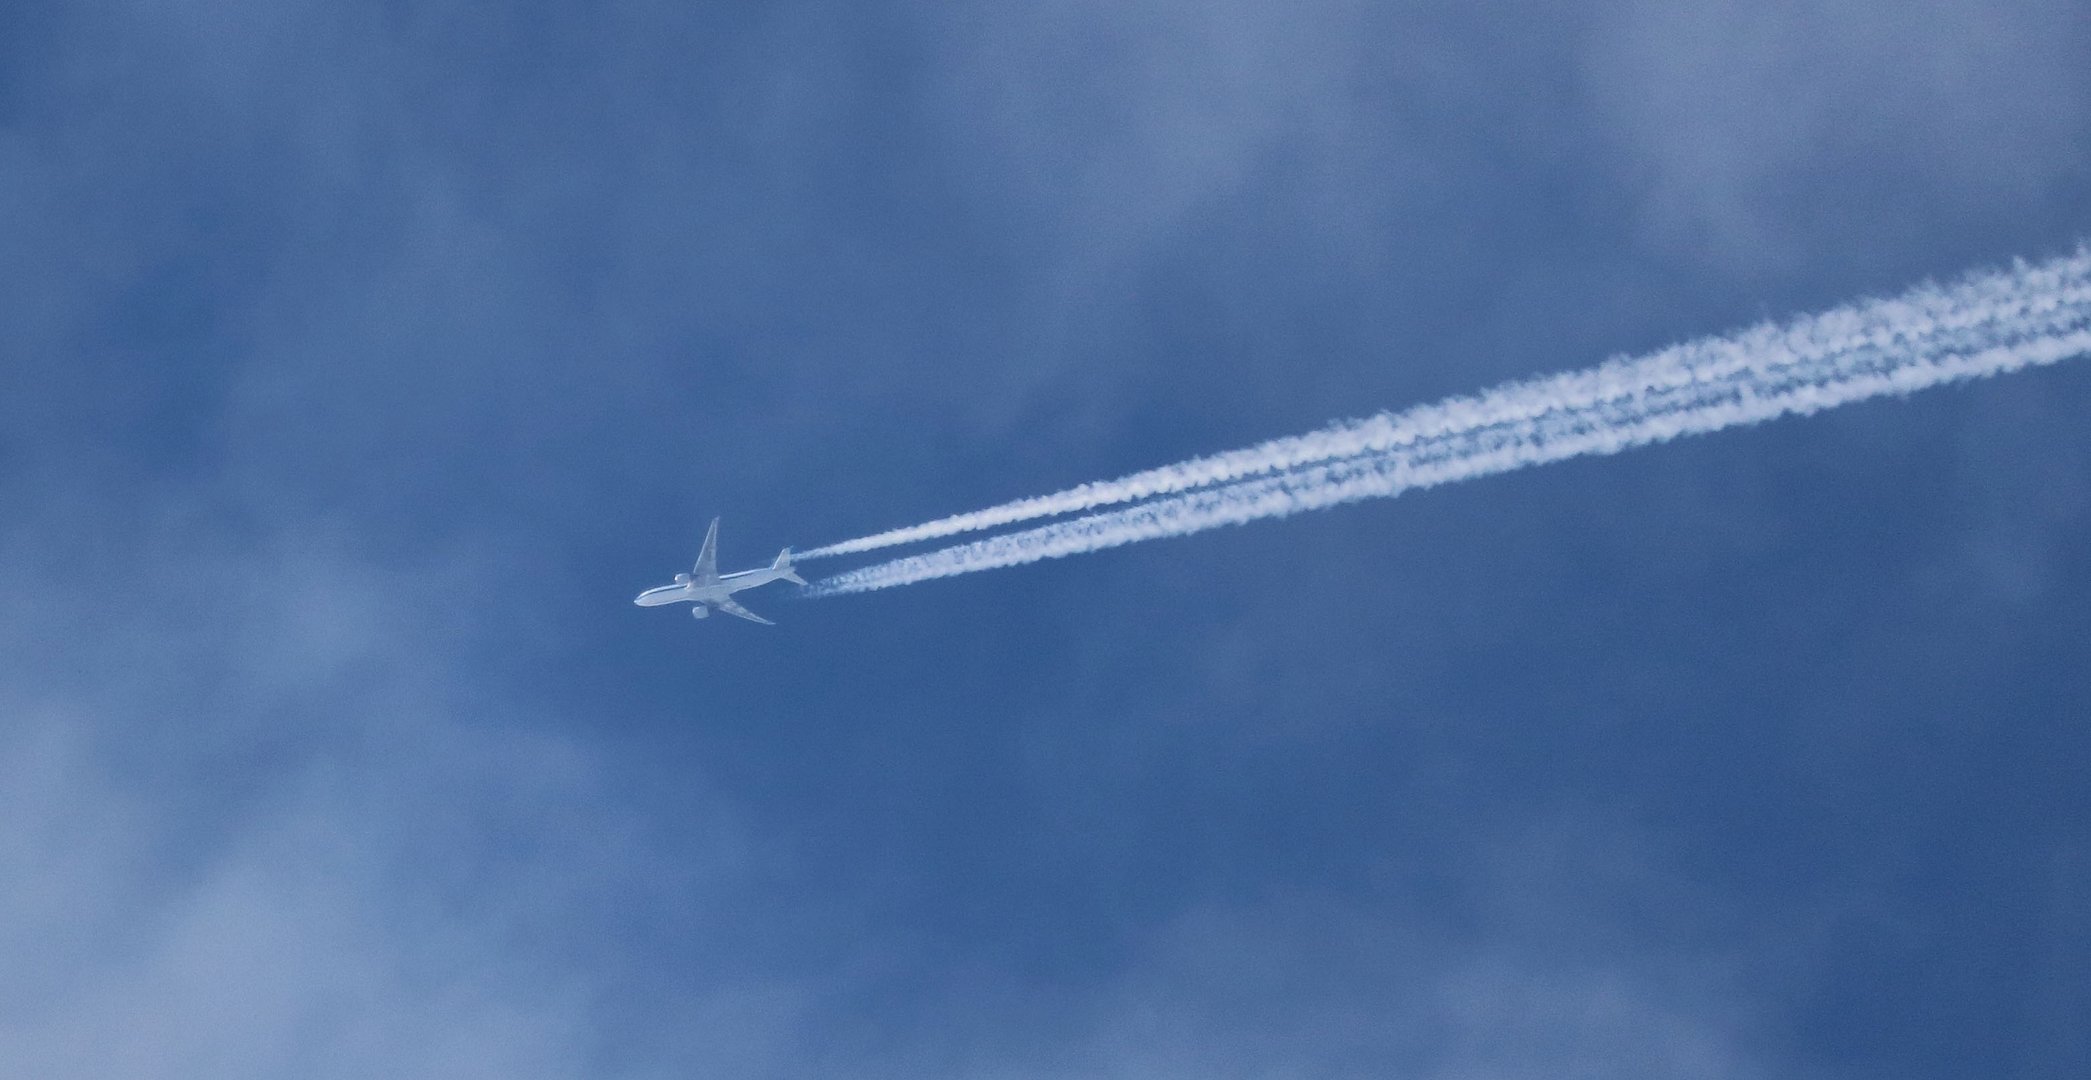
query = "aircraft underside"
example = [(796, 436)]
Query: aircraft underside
[(705, 588)]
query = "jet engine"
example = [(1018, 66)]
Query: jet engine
[(699, 611), (682, 579)]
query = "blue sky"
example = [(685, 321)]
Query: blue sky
[(360, 365)]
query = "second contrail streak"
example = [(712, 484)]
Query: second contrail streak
[(1984, 325), (2025, 292)]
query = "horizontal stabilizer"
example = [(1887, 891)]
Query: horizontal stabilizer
[(783, 568)]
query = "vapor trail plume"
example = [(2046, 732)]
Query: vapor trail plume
[(2024, 292), (1986, 325)]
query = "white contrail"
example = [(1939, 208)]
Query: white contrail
[(2026, 317), (2010, 297)]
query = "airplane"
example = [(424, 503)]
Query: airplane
[(706, 589)]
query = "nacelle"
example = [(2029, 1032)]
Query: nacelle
[(699, 611), (682, 579)]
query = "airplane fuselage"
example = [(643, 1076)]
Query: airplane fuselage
[(695, 593)]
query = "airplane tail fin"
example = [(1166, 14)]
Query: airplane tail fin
[(783, 567)]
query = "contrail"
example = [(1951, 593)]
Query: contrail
[(1986, 300), (1985, 325)]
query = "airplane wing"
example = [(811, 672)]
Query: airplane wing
[(708, 556), (731, 608)]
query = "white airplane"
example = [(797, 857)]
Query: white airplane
[(705, 589)]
